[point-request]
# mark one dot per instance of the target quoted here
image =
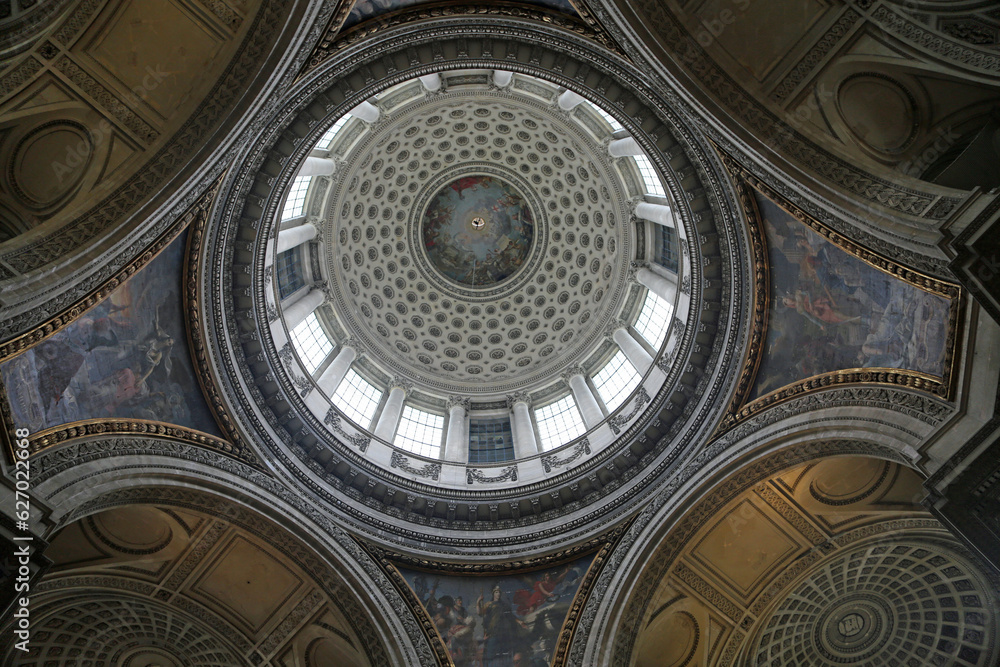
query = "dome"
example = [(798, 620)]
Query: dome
[(474, 300), (457, 309)]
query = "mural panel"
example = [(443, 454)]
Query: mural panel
[(508, 620), (126, 358), (830, 311)]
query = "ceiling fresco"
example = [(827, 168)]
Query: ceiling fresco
[(478, 230)]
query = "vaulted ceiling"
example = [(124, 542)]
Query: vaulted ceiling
[(804, 474)]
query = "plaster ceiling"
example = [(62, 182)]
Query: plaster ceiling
[(557, 296)]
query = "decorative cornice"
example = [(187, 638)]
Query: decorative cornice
[(335, 42), (107, 428)]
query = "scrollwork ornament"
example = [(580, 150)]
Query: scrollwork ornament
[(333, 420), (430, 470), (473, 475), (551, 461), (619, 421)]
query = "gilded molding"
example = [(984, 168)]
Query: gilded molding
[(123, 427), (333, 41), (55, 324)]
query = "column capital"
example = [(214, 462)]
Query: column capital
[(464, 401), (518, 397), (400, 382), (613, 326), (569, 372), (634, 267)]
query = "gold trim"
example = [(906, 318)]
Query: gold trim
[(739, 409), (52, 437), (195, 218), (604, 545), (54, 325), (193, 321)]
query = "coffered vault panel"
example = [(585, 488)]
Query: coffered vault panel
[(442, 334)]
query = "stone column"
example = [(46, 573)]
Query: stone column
[(501, 78), (584, 397), (334, 374), (297, 312), (525, 444), (658, 213), (569, 100), (624, 147), (293, 237), (662, 287), (389, 419), (634, 350), (366, 111), (432, 82), (317, 166), (456, 446)]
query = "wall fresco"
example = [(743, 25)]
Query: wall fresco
[(127, 358), (831, 311), (509, 620)]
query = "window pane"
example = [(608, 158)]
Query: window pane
[(668, 248), (311, 342), (616, 381), (559, 422), (490, 441), (324, 143), (649, 176), (357, 398), (289, 270), (420, 432), (653, 319), (615, 125), (296, 202)]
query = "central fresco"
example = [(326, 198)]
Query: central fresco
[(477, 231)]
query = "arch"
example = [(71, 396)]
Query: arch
[(685, 507), (81, 479)]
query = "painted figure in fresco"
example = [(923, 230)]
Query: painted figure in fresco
[(541, 592), (503, 633), (461, 637), (830, 310)]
